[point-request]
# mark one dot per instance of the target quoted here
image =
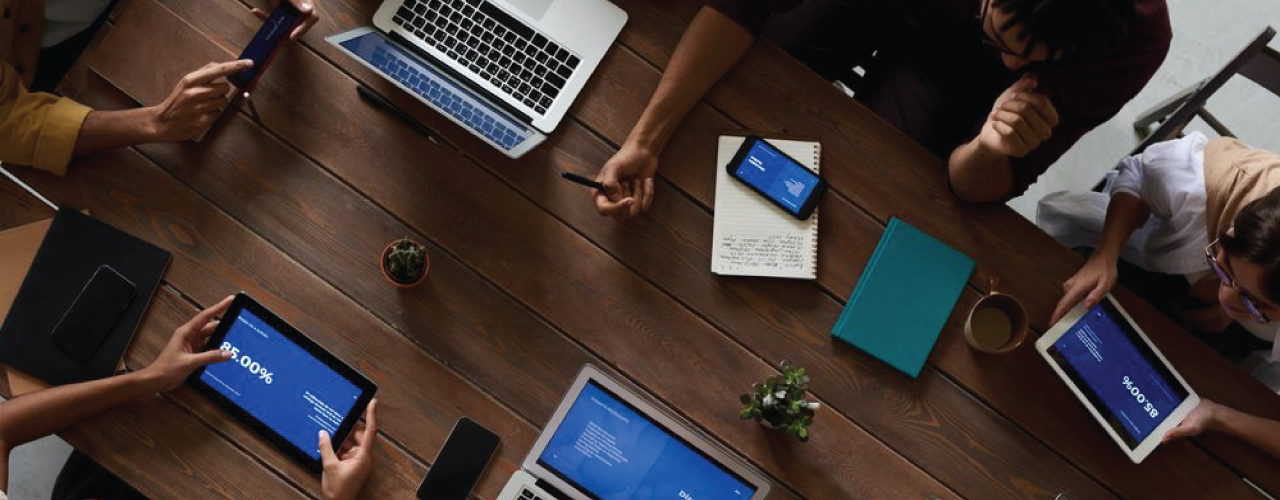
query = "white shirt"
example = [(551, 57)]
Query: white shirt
[(64, 19), (1169, 178)]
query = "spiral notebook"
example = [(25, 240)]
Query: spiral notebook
[(753, 237)]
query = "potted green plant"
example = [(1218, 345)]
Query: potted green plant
[(779, 402), (405, 262)]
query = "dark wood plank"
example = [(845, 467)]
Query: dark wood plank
[(154, 441), (450, 207), (994, 235), (214, 256)]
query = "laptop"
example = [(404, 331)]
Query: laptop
[(606, 442), (505, 70)]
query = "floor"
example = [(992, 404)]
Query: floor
[(1206, 36), (1204, 39)]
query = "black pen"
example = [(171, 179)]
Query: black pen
[(369, 95), (575, 178)]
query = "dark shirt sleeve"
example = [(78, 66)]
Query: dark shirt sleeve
[(751, 14), (1087, 95)]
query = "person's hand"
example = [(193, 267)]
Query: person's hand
[(195, 102), (1199, 420), (1019, 121), (628, 182), (184, 352), (346, 470), (1094, 279), (310, 16)]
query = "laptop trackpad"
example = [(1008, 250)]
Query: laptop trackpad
[(531, 8)]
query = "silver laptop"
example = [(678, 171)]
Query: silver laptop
[(605, 442), (506, 70)]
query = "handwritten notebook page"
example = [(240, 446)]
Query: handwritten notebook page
[(752, 236)]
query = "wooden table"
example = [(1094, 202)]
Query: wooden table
[(527, 283)]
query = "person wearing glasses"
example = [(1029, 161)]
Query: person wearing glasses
[(1000, 88), (1203, 217)]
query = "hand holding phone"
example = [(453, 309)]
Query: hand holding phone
[(266, 44), (778, 177)]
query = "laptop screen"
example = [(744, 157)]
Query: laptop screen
[(609, 451)]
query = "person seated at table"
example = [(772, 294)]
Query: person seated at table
[(1204, 214), (1001, 88), (38, 414), (45, 131)]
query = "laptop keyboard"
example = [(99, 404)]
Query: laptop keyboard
[(430, 89), (493, 45), (527, 494)]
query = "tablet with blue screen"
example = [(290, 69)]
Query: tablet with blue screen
[(280, 383), (1119, 375)]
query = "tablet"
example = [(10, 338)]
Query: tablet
[(1123, 380), (280, 383)]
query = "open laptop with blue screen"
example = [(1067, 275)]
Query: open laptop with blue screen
[(605, 442), (504, 70), (1122, 379)]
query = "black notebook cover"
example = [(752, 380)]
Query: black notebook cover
[(74, 248)]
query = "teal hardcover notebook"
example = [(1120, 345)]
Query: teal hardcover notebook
[(904, 297)]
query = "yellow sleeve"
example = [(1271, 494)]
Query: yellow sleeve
[(37, 129)]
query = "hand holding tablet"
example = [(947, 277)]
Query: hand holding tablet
[(1122, 379), (280, 383)]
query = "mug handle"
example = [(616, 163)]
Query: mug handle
[(993, 282)]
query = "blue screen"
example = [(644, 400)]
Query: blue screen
[(280, 383), (778, 176), (611, 452), (1118, 372), (259, 49)]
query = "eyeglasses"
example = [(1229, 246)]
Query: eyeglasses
[(986, 35), (1210, 254)]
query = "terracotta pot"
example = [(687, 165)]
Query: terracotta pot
[(382, 264)]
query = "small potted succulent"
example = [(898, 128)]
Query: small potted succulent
[(405, 262), (779, 402)]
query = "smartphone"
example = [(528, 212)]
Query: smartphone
[(266, 44), (778, 177), (460, 463), (93, 314)]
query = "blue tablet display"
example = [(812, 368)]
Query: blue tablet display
[(281, 384), (778, 176), (1118, 372), (611, 452)]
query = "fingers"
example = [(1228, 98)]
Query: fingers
[(208, 328), (212, 91), (1016, 145), (1042, 105), (635, 189), (610, 208), (1018, 125), (646, 199), (1027, 83), (1096, 295), (207, 315), (208, 357), (214, 71), (311, 17), (371, 423), (260, 14), (1022, 114), (1073, 292), (327, 456)]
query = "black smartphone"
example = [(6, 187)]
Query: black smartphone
[(778, 177), (460, 463), (94, 313), (266, 43)]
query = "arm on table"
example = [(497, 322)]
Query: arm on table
[(711, 45), (39, 414), (1125, 214)]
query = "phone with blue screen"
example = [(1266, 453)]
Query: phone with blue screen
[(780, 178), (266, 43)]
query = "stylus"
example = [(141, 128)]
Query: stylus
[(575, 178), (377, 100)]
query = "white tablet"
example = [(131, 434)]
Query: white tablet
[(1120, 377)]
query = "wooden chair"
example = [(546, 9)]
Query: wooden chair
[(1257, 62)]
